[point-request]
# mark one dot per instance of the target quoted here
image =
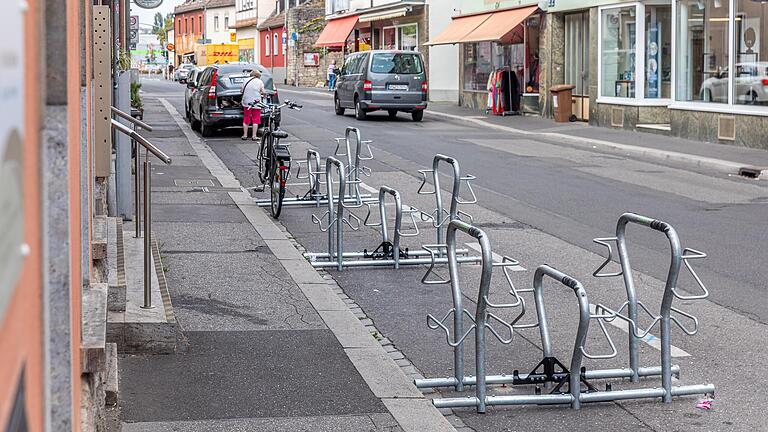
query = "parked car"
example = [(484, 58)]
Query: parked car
[(750, 81), (382, 80), (216, 96), (192, 79), (182, 72)]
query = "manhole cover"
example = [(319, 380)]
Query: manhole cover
[(189, 183)]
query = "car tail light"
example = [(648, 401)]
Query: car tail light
[(367, 86), (274, 96), (765, 82), (424, 86), (212, 89)]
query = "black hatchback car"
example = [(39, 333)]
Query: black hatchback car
[(216, 96)]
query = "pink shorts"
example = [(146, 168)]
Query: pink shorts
[(251, 116)]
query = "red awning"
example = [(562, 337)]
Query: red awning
[(497, 26), (500, 26), (336, 32)]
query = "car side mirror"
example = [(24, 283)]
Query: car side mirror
[(190, 84)]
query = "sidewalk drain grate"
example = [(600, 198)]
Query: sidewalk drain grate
[(189, 183)]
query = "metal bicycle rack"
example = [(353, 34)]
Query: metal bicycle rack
[(575, 395), (389, 251), (440, 217), (314, 196)]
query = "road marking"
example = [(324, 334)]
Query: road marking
[(648, 339), (370, 189), (496, 257)]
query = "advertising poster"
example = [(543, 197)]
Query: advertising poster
[(12, 247), (652, 62)]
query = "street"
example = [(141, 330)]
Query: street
[(542, 200)]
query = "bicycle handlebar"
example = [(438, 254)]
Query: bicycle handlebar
[(286, 104)]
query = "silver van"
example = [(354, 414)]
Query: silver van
[(382, 80)]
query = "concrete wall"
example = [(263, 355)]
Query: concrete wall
[(308, 20), (443, 59)]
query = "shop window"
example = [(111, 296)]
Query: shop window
[(618, 59), (388, 38), (408, 37), (750, 81), (702, 51), (478, 65), (658, 51)]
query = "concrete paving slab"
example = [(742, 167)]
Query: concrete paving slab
[(260, 374), (348, 330), (203, 236), (190, 196), (381, 373), (196, 212), (417, 415), (284, 249), (302, 272), (272, 424), (236, 291), (322, 297)]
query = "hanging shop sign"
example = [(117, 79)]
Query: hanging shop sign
[(148, 4)]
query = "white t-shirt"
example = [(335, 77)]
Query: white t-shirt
[(252, 90)]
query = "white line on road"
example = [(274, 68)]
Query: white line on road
[(496, 257), (648, 339)]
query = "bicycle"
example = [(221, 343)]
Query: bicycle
[(273, 158)]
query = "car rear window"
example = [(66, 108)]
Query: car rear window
[(396, 63)]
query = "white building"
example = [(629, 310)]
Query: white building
[(219, 16), (248, 15), (443, 66)]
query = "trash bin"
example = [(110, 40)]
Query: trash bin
[(561, 101)]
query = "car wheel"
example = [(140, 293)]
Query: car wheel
[(359, 111), (392, 114), (417, 115), (188, 115), (195, 124), (205, 130), (337, 106)]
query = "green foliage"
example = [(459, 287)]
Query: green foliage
[(135, 97), (124, 60)]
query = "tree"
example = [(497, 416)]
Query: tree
[(161, 27)]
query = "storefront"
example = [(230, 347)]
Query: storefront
[(499, 58), (690, 68), (400, 26)]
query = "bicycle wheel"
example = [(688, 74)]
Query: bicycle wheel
[(265, 157), (277, 185)]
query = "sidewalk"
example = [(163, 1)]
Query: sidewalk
[(270, 344), (699, 155)]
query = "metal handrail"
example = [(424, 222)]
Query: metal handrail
[(131, 119), (143, 141), (151, 148)]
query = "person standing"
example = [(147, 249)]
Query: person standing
[(332, 75), (252, 90)]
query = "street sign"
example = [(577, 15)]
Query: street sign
[(170, 47), (134, 22), (148, 4), (233, 37), (203, 41), (134, 37)]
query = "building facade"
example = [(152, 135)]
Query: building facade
[(204, 22), (443, 67), (188, 30), (272, 50)]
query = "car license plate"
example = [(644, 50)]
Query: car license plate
[(398, 87), (238, 80)]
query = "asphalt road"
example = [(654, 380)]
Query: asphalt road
[(575, 200), (543, 201)]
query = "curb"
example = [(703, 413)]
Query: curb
[(385, 379), (694, 161)]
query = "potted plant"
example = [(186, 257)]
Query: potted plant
[(137, 107)]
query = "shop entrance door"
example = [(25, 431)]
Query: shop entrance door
[(577, 61)]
